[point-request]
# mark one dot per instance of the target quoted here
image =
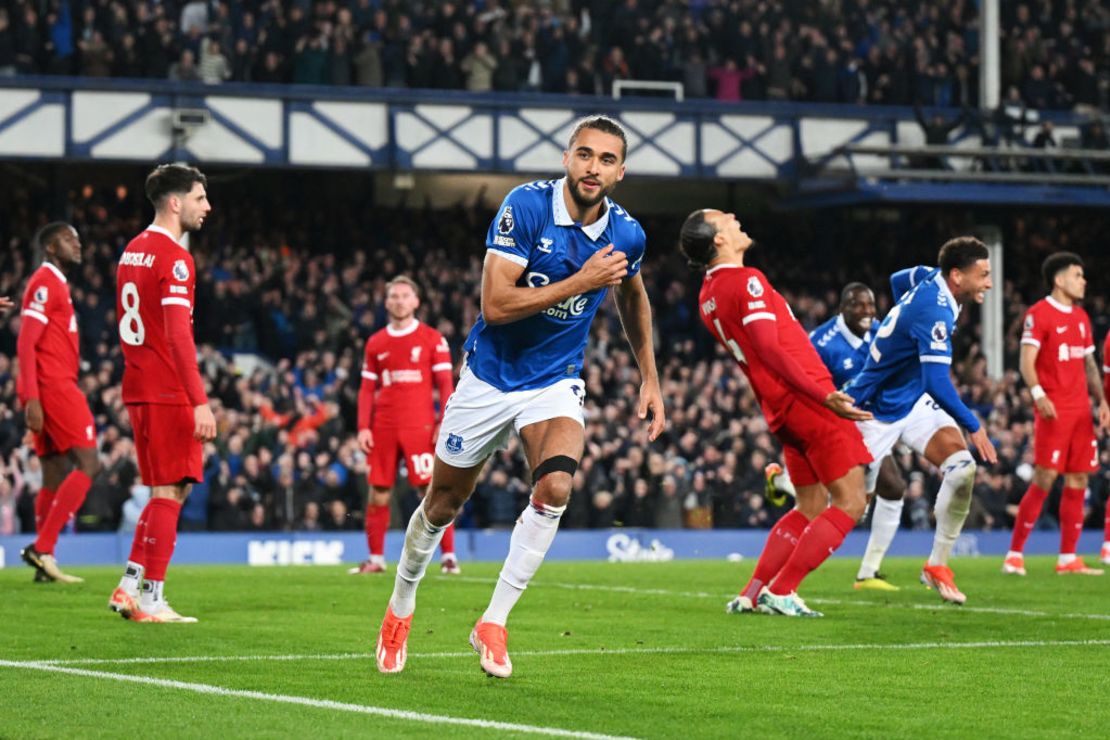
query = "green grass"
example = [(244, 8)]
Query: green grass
[(711, 675)]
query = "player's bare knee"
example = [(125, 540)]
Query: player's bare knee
[(1044, 478), (87, 462), (553, 479), (1075, 480), (811, 501)]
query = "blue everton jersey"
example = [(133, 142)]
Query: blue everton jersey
[(843, 353), (917, 330), (533, 229)]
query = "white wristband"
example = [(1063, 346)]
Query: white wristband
[(1037, 392)]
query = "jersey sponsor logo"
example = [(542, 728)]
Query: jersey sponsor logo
[(415, 355), (389, 377), (572, 307), (545, 245), (137, 259), (41, 294), (505, 223), (180, 271), (755, 288), (1065, 353), (454, 444)]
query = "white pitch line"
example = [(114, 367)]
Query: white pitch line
[(847, 602), (202, 688), (718, 650)]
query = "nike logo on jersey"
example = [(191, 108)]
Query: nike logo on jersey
[(382, 356), (1061, 329)]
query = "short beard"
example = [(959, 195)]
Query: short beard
[(193, 226), (583, 202)]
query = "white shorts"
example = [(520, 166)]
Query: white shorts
[(479, 418), (915, 429)]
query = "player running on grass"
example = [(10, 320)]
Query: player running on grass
[(162, 387), (553, 251), (906, 384), (401, 362), (1058, 364), (843, 343), (57, 412), (821, 447)]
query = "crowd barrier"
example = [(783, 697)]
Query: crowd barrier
[(621, 545)]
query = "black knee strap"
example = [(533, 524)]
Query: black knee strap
[(557, 464)]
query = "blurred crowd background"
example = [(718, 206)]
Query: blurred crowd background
[(1055, 53), (287, 298)]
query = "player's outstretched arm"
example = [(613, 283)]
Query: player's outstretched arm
[(1028, 366), (635, 312), (938, 384), (1094, 385), (503, 301)]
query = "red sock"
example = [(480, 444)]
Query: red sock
[(819, 540), (1029, 511), (161, 535), (447, 544), (1071, 519), (43, 501), (138, 542), (780, 544), (377, 522), (68, 499)]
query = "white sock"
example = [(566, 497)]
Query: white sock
[(152, 597), (421, 541), (132, 577), (1014, 554), (885, 518), (532, 537), (953, 504), (377, 559), (1065, 558)]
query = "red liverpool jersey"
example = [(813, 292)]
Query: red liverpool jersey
[(156, 276), (47, 300), (732, 297), (1064, 337), (402, 364)]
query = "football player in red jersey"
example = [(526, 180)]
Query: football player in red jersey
[(1104, 554), (57, 412), (1058, 364), (162, 387), (813, 421), (401, 362)]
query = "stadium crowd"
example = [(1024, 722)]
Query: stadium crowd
[(1054, 55), (286, 301)]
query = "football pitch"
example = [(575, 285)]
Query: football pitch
[(599, 650)]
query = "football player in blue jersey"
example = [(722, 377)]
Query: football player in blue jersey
[(907, 386), (843, 343), (554, 250)]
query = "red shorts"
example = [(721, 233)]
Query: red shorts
[(819, 446), (66, 421), (164, 444), (1067, 443), (390, 442)]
